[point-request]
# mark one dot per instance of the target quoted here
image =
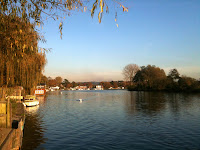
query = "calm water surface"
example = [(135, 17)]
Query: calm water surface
[(114, 119)]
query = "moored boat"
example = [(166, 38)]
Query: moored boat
[(40, 92), (30, 100)]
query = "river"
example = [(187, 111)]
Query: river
[(113, 119)]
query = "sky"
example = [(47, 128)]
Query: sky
[(165, 33)]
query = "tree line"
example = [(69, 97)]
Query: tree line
[(64, 83), (152, 78)]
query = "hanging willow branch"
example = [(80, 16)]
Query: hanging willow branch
[(37, 11)]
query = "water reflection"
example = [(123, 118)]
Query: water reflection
[(114, 120), (145, 102), (153, 103), (32, 110), (34, 127), (165, 120)]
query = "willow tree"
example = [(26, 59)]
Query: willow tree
[(21, 62)]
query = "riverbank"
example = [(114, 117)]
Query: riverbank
[(177, 90)]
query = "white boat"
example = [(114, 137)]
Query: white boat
[(30, 100)]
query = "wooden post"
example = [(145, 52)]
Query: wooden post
[(2, 114), (9, 114), (2, 94)]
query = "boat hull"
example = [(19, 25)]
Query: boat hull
[(31, 103)]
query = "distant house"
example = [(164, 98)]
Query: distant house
[(99, 87), (41, 86), (81, 88), (54, 88)]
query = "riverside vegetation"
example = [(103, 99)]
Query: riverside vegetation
[(152, 78), (21, 62)]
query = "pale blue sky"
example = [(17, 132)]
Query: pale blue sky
[(165, 33)]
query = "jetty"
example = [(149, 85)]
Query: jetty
[(12, 119)]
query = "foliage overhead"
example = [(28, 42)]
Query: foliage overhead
[(40, 10)]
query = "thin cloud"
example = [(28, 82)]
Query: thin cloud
[(88, 76), (192, 71)]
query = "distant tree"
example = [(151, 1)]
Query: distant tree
[(52, 82), (44, 79), (58, 81), (68, 85), (129, 72), (65, 83), (114, 84), (172, 80), (90, 85), (106, 85), (174, 74), (150, 78), (121, 84), (74, 84), (188, 83), (78, 83)]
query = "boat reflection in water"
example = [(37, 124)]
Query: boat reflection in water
[(34, 129), (33, 109)]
